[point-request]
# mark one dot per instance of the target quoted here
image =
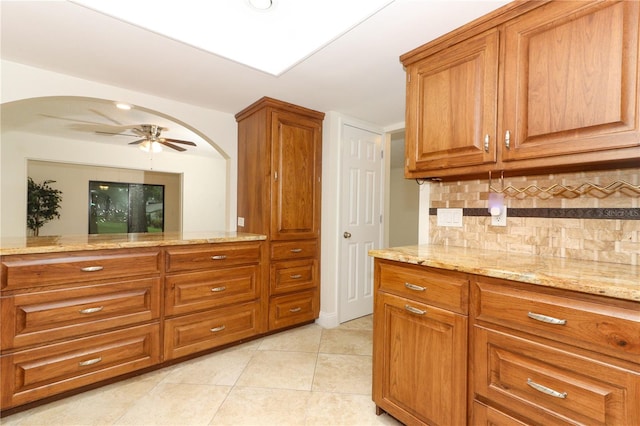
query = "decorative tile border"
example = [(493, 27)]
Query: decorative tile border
[(562, 213)]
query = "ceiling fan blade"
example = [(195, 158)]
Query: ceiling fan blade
[(102, 114), (170, 145), (137, 142), (180, 141), (72, 119), (115, 134)]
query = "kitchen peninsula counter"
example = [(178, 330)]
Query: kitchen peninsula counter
[(615, 280), (64, 243)]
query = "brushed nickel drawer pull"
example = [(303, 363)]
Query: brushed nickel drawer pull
[(90, 362), (414, 287), (296, 276), (544, 318), (218, 289), (414, 310), (295, 309), (91, 310), (486, 143), (507, 139), (216, 329), (296, 250), (546, 390), (92, 268), (219, 257)]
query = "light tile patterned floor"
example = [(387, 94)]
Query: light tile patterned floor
[(305, 376)]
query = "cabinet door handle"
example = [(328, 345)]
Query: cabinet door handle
[(216, 329), (90, 362), (486, 142), (507, 139), (92, 268), (218, 289), (91, 310), (296, 250), (296, 276), (546, 390), (414, 310), (295, 309), (414, 287), (544, 318), (218, 257)]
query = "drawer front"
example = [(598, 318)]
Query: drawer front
[(205, 330), (45, 316), (445, 289), (293, 309), (610, 328), (483, 415), (293, 275), (211, 256), (38, 373), (186, 293), (24, 271), (550, 386), (294, 249)]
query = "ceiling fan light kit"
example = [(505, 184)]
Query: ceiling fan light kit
[(150, 146)]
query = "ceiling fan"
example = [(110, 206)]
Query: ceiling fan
[(151, 138), (150, 135)]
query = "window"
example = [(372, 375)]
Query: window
[(116, 207)]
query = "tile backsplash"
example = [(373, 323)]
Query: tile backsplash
[(593, 226)]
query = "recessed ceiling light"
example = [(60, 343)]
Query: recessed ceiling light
[(261, 5), (123, 106)]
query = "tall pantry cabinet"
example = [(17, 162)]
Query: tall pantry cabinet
[(279, 188)]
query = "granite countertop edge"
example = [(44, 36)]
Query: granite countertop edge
[(620, 281), (66, 243)]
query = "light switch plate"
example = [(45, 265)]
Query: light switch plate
[(449, 217), (240, 221)]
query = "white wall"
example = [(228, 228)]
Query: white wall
[(210, 185), (404, 204)]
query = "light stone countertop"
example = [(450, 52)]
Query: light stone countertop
[(64, 243), (601, 278)]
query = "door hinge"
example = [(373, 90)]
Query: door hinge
[(382, 154), (380, 218)]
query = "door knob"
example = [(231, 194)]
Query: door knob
[(347, 235)]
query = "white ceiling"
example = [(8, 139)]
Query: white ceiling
[(357, 74)]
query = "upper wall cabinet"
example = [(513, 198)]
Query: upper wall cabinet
[(532, 86)]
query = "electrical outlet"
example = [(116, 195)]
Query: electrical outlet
[(501, 219)]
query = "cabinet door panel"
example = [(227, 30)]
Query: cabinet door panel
[(296, 166), (420, 361), (571, 80), (451, 106)]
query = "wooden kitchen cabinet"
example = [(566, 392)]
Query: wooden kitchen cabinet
[(76, 318), (419, 349), (549, 356), (279, 189), (212, 296), (533, 85)]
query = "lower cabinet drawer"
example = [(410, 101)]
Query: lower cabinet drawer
[(205, 330), (483, 415), (187, 293), (293, 309), (293, 275), (39, 373), (550, 386), (46, 316)]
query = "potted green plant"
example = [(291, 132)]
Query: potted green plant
[(43, 204)]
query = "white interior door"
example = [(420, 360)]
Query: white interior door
[(360, 219)]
